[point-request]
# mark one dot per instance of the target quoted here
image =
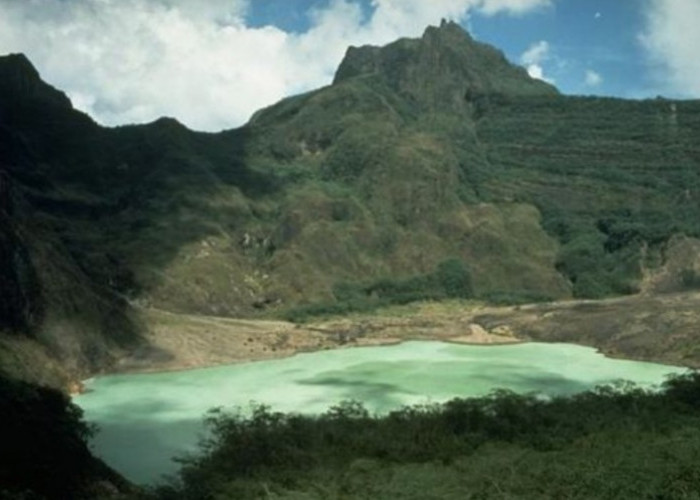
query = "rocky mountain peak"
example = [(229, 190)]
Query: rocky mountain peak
[(20, 65), (440, 68), (19, 79)]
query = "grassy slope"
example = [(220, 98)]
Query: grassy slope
[(613, 179)]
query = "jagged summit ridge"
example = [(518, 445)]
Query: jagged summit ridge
[(20, 64), (442, 66), (19, 79)]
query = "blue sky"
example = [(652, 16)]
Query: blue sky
[(583, 36), (292, 15), (212, 63)]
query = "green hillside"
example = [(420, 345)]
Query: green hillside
[(612, 178)]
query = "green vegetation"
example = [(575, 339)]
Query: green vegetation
[(44, 447), (451, 280), (616, 441), (610, 177)]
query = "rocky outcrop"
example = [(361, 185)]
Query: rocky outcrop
[(446, 69), (680, 270)]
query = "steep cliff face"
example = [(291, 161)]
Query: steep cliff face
[(19, 288), (423, 156), (47, 293)]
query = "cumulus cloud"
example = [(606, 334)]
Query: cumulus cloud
[(126, 61), (533, 59), (593, 78), (672, 40)]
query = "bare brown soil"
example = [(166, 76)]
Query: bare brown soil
[(179, 341), (661, 328), (664, 328)]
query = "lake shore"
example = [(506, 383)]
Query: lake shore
[(183, 342), (658, 328)]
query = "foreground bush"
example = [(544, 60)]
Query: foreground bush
[(617, 441), (44, 447)]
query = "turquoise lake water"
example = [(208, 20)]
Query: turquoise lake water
[(146, 420)]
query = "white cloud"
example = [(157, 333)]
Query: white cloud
[(490, 7), (593, 78), (672, 41), (533, 59), (536, 53), (125, 61)]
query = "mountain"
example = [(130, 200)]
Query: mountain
[(429, 168), (440, 69)]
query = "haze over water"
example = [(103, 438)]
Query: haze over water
[(145, 420)]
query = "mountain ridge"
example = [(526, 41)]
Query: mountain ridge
[(395, 183), (18, 75)]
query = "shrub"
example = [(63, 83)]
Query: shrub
[(455, 279), (451, 279), (601, 436)]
